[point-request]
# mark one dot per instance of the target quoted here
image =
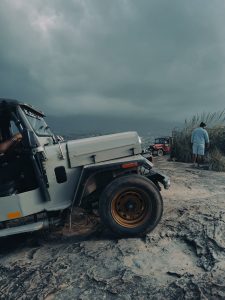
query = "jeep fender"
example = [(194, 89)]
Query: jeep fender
[(105, 171)]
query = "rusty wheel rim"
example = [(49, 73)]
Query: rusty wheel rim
[(130, 208)]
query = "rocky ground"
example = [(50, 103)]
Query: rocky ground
[(184, 258)]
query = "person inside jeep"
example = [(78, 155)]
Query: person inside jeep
[(9, 170), (16, 170)]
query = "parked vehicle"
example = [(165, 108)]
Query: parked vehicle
[(161, 146), (55, 177)]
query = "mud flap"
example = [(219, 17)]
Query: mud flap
[(157, 177)]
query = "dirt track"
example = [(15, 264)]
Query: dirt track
[(184, 258)]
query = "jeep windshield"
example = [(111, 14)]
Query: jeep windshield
[(38, 123), (162, 141)]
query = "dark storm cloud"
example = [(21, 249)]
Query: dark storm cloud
[(153, 58)]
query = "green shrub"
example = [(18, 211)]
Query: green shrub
[(217, 161), (181, 145)]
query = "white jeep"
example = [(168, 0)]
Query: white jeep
[(51, 177)]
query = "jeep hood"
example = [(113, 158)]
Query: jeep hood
[(102, 148)]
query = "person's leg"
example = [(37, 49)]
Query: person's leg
[(201, 152), (194, 158), (201, 159), (194, 154), (198, 160)]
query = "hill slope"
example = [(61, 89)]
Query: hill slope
[(184, 258)]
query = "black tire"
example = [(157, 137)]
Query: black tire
[(131, 206), (160, 152)]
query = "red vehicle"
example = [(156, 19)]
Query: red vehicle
[(161, 146)]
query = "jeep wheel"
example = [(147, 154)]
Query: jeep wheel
[(160, 152), (131, 205)]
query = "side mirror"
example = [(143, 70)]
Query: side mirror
[(29, 139)]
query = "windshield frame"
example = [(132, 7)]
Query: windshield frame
[(29, 113)]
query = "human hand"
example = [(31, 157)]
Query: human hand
[(17, 137)]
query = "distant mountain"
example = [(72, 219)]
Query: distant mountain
[(85, 125)]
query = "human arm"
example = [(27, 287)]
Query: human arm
[(206, 136), (9, 143), (192, 137)]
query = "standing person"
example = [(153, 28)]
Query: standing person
[(199, 141)]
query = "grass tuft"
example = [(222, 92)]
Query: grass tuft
[(217, 161)]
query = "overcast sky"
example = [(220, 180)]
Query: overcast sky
[(140, 59)]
